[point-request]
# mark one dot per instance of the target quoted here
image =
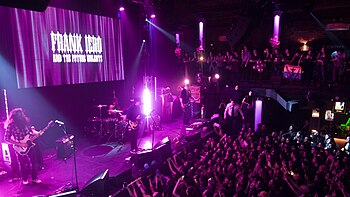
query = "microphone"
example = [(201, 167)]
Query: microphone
[(59, 122)]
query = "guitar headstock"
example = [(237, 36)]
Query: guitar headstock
[(51, 123)]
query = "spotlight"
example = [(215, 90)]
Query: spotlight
[(201, 58), (143, 41), (217, 76), (165, 140), (147, 145), (187, 81), (121, 9), (153, 16), (304, 47), (147, 102)]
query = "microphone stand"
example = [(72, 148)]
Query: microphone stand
[(155, 127), (74, 156)]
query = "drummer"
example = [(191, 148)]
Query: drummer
[(114, 110)]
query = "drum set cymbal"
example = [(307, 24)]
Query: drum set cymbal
[(115, 111), (100, 106), (108, 128)]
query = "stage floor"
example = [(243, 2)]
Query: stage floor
[(92, 158)]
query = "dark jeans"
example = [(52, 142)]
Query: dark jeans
[(233, 125), (186, 115), (133, 138), (29, 163), (248, 115), (15, 172)]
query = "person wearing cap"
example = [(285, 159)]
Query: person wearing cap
[(134, 117), (185, 100)]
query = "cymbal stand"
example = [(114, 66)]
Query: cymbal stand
[(155, 127), (119, 131)]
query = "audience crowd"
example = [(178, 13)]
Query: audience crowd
[(255, 163), (321, 65), (241, 161)]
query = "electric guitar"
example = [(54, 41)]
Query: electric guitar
[(134, 124), (28, 139)]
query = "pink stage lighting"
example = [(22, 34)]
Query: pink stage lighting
[(165, 140), (187, 81), (217, 76), (274, 41), (147, 101), (153, 16), (201, 35), (147, 145), (121, 9), (258, 113)]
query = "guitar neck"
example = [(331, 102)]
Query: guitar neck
[(42, 131)]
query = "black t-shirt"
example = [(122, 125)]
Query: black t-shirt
[(185, 96), (248, 99), (133, 112), (236, 96)]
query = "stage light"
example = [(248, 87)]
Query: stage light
[(201, 35), (276, 26), (147, 102), (217, 76), (258, 113), (165, 140), (274, 41), (187, 81), (304, 47), (153, 16), (143, 41), (147, 145), (121, 9), (201, 58)]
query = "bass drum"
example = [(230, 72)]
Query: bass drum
[(92, 126), (120, 130)]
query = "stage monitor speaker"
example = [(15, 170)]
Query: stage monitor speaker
[(163, 148), (141, 158), (193, 137), (72, 193), (36, 5), (118, 181), (96, 186)]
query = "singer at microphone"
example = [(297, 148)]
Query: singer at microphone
[(59, 122)]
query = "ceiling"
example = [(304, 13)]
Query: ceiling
[(300, 18)]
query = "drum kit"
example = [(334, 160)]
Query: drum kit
[(108, 128)]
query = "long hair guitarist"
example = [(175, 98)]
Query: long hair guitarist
[(17, 128)]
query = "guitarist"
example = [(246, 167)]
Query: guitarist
[(16, 129), (134, 117), (186, 104)]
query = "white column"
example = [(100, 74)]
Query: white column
[(258, 113)]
